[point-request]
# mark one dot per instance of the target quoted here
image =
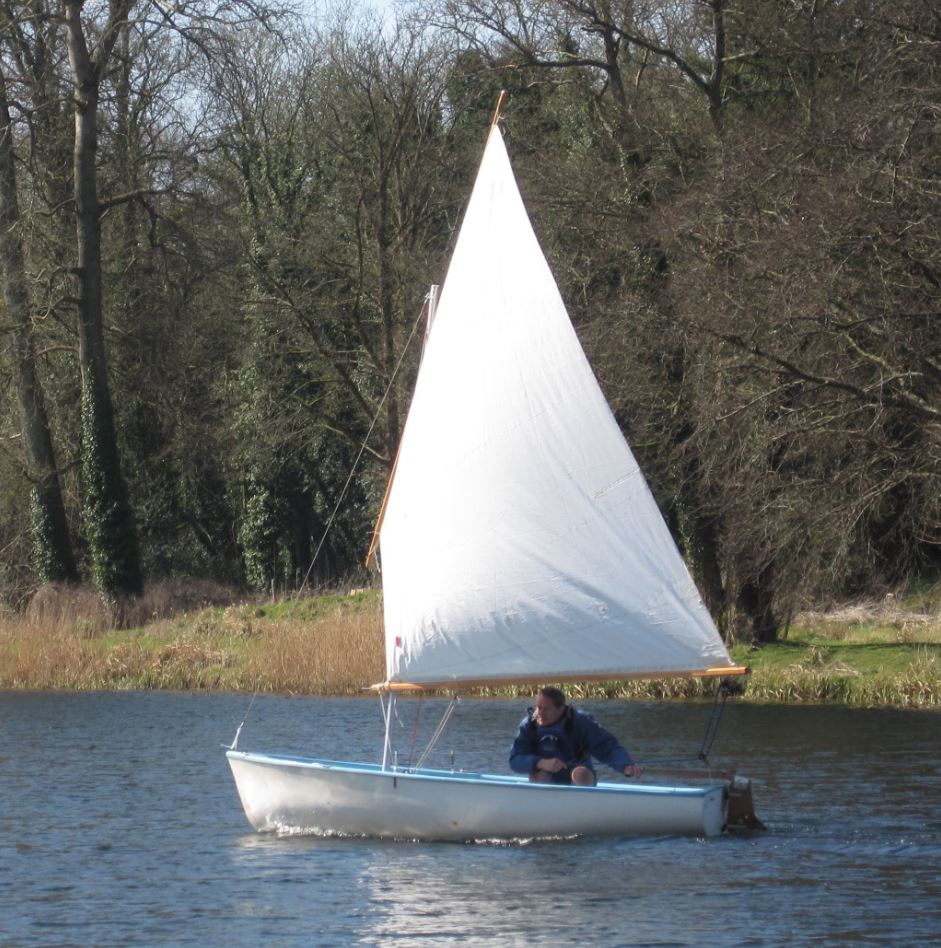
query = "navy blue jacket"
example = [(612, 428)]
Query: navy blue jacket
[(575, 739)]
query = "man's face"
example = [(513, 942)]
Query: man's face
[(547, 713)]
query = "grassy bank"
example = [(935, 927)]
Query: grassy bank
[(326, 645), (886, 654)]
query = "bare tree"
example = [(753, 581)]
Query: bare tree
[(340, 149), (108, 518), (620, 42), (808, 267), (52, 546), (91, 45)]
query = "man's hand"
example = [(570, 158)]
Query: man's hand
[(632, 770)]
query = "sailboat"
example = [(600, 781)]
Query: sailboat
[(518, 543)]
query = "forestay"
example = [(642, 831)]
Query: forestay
[(520, 540)]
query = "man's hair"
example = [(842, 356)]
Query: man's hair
[(555, 695)]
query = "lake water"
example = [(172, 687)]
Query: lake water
[(120, 825)]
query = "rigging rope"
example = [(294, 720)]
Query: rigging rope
[(235, 740), (411, 748), (723, 690), (439, 730), (362, 449)]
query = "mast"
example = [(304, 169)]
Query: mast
[(431, 302), (499, 109), (428, 311)]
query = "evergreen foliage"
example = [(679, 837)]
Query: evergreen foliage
[(108, 520), (52, 550)]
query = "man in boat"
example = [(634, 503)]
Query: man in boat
[(555, 743)]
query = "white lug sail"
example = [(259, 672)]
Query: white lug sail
[(520, 540)]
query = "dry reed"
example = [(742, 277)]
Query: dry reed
[(340, 652), (68, 639), (333, 645), (65, 605)]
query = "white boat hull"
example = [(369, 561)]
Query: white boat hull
[(321, 797)]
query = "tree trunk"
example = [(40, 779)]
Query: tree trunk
[(387, 312), (756, 599), (705, 540), (52, 549), (109, 522)]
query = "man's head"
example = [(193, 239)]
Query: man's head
[(550, 706)]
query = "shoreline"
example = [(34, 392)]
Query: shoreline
[(616, 691), (332, 646)]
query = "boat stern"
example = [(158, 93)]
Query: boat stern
[(741, 807)]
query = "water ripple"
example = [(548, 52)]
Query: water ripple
[(119, 825)]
